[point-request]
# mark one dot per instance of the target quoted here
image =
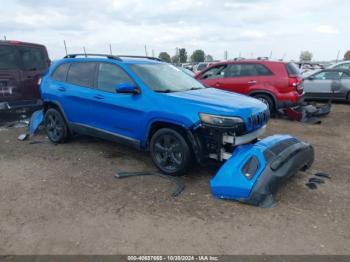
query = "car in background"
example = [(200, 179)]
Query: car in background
[(150, 105), (328, 84), (200, 67), (186, 71), (277, 84), (21, 66), (340, 65)]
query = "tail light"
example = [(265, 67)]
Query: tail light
[(296, 82)]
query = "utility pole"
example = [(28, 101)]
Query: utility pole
[(153, 53), (110, 49), (337, 56), (270, 55), (65, 46), (225, 55)]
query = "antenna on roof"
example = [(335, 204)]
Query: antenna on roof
[(65, 46), (84, 51), (284, 55), (110, 49), (146, 50)]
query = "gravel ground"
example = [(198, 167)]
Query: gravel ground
[(64, 199)]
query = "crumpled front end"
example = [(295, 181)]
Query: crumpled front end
[(254, 172)]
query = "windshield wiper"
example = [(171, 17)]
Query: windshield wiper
[(196, 88), (164, 91)]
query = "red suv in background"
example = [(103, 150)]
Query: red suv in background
[(21, 66), (277, 84)]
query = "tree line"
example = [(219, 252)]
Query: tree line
[(182, 56)]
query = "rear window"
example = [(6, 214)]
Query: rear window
[(60, 73), (292, 69), (8, 58), (32, 58), (81, 74)]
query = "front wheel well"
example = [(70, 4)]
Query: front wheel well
[(159, 125)]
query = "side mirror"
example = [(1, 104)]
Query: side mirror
[(311, 78), (127, 88)]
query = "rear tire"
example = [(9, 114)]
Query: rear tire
[(267, 100), (55, 126), (170, 152)]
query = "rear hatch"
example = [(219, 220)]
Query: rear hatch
[(21, 66), (295, 79), (9, 74)]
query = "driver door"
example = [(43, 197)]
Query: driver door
[(120, 114), (320, 85)]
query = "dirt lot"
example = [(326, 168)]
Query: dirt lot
[(64, 199)]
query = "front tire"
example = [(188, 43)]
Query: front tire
[(55, 126), (170, 151)]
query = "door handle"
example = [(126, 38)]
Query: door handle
[(98, 97), (252, 82), (218, 84), (61, 89)]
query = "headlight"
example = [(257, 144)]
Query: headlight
[(224, 121)]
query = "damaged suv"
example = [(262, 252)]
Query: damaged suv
[(154, 106)]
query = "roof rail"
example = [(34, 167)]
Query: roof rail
[(86, 55), (139, 56), (116, 57)]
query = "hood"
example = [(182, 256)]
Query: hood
[(215, 101)]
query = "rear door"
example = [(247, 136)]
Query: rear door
[(33, 62), (76, 95), (10, 88)]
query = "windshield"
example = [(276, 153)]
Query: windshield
[(165, 78)]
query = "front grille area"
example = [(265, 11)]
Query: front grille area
[(258, 120)]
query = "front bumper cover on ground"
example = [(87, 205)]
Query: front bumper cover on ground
[(255, 171)]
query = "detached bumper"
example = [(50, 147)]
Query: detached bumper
[(255, 171)]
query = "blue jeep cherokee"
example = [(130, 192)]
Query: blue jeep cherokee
[(150, 105)]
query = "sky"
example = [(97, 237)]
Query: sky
[(251, 28)]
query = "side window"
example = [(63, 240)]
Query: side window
[(343, 66), (81, 74), (8, 59), (233, 70), (345, 75), (262, 70), (248, 70), (242, 70), (60, 73), (109, 76), (31, 58), (214, 72), (327, 75)]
